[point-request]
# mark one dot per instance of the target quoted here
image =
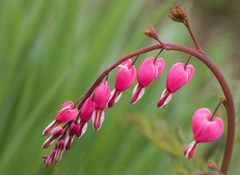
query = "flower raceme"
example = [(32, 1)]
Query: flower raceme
[(179, 75), (125, 78), (148, 71), (205, 128), (72, 119)]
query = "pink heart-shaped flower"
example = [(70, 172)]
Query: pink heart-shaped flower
[(205, 128), (178, 76)]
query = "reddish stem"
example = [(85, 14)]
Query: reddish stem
[(229, 105), (198, 47), (188, 60), (216, 109)]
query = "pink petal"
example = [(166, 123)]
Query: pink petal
[(190, 71), (159, 67), (200, 119), (212, 131), (66, 105), (125, 77), (87, 109), (146, 72), (177, 77), (102, 95), (67, 115)]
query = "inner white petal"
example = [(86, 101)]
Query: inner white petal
[(140, 95), (93, 117), (102, 117), (169, 98), (135, 89), (190, 147), (111, 95), (118, 97), (84, 129), (123, 66)]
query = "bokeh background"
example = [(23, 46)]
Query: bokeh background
[(53, 50)]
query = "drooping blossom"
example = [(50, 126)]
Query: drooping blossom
[(179, 75), (101, 97), (58, 132), (125, 78), (68, 112), (86, 113), (205, 128), (148, 71)]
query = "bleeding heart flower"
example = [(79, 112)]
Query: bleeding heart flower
[(125, 78), (85, 115), (58, 132), (67, 113), (100, 98), (205, 128), (148, 71), (177, 77)]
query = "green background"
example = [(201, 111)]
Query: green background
[(53, 50)]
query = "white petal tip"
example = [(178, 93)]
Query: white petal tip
[(139, 95)]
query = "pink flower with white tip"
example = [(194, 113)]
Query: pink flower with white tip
[(205, 128), (148, 71), (68, 112), (58, 132), (101, 97), (86, 113), (179, 75), (125, 78)]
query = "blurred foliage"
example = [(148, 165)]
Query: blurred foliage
[(51, 51)]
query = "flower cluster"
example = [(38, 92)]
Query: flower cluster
[(72, 119)]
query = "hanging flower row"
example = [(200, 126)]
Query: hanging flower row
[(73, 118), (72, 121)]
